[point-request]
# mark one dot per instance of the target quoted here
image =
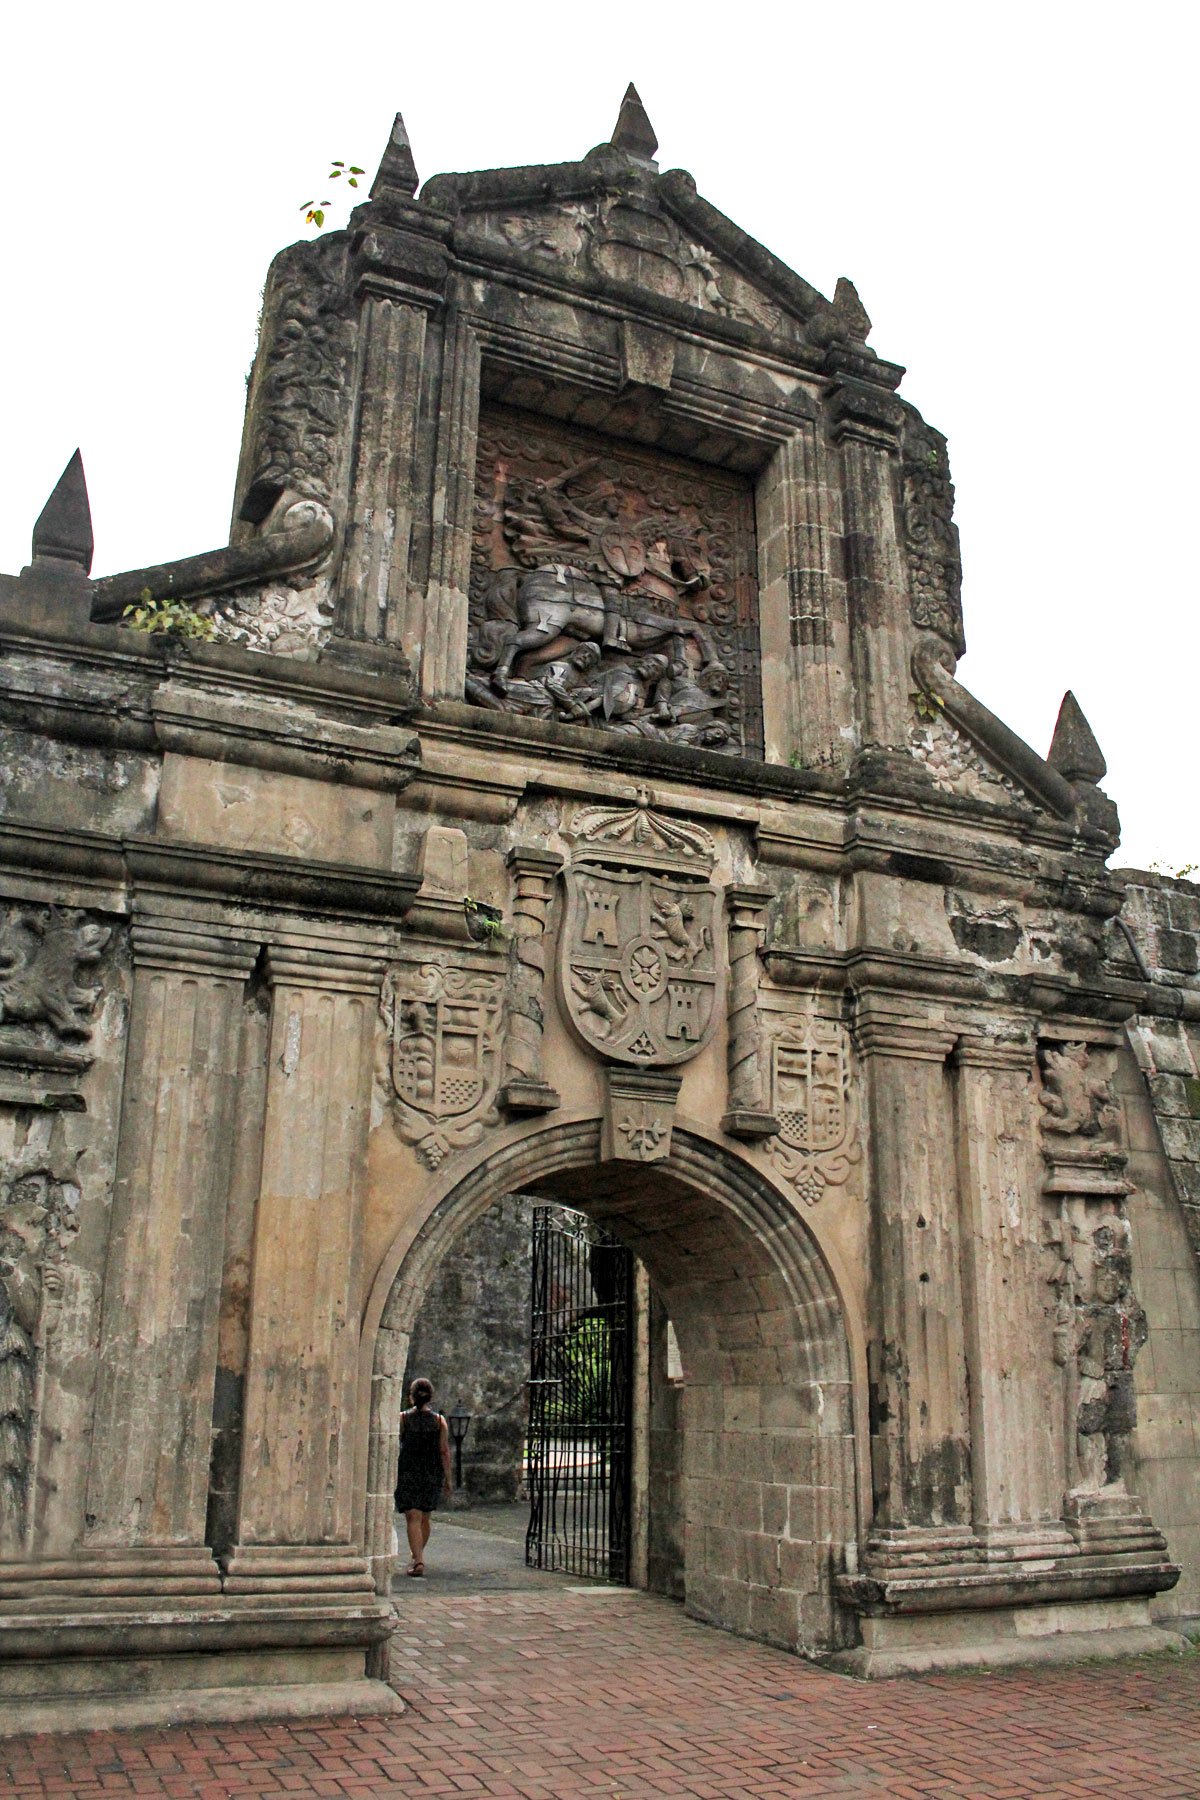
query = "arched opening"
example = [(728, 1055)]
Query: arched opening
[(767, 1421)]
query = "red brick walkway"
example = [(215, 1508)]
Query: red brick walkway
[(555, 1694)]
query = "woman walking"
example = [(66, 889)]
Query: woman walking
[(423, 1473)]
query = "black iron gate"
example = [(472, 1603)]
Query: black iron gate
[(580, 1393)]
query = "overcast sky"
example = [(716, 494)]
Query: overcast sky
[(1012, 188)]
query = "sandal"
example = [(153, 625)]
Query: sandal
[(415, 1567)]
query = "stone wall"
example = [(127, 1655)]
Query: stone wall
[(1162, 1106)]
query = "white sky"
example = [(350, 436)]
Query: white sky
[(1012, 188)]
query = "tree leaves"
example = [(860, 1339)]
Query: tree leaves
[(314, 214)]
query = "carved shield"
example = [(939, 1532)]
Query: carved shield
[(441, 1055), (641, 973), (624, 552), (809, 1081)]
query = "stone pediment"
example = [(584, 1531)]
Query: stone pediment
[(604, 222)]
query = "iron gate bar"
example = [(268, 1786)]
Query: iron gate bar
[(580, 1397)]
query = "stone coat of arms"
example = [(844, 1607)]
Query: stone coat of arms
[(641, 963), (812, 1098), (445, 1063)]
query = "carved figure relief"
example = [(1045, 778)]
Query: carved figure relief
[(642, 974), (612, 588), (39, 1218), (931, 536), (445, 1065), (46, 1003), (1100, 1327), (1077, 1097), (813, 1100)]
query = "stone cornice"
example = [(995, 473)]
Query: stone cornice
[(134, 871)]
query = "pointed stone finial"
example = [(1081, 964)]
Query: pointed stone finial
[(633, 132), (1074, 752), (64, 528), (397, 172), (851, 311)]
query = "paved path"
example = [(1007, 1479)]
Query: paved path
[(547, 1692)]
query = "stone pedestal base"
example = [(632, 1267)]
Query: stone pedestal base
[(150, 1638), (922, 1643)]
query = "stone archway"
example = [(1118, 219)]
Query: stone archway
[(768, 1419)]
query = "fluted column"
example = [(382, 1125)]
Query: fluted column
[(525, 1086), (921, 1446), (807, 700), (1013, 1389), (148, 1474), (748, 1115), (444, 648), (866, 426), (374, 601), (295, 1504)]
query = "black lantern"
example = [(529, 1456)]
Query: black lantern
[(459, 1422)]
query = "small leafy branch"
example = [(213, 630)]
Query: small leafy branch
[(928, 705), (314, 214), (175, 617), (484, 921), (1183, 873)]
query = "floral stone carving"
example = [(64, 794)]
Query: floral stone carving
[(931, 536), (642, 972), (813, 1101), (445, 1062), (46, 1004), (612, 588)]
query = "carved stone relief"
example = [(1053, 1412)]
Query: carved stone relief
[(290, 617), (46, 1002), (1078, 1105), (812, 1098), (39, 1218), (641, 956), (1100, 1327), (931, 536), (444, 1030), (954, 763), (607, 236), (612, 588), (302, 373)]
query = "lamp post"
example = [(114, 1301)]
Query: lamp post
[(459, 1422)]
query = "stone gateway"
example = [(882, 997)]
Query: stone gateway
[(560, 787)]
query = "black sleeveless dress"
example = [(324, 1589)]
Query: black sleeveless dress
[(419, 1473)]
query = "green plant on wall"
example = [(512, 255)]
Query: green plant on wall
[(177, 618), (314, 214)]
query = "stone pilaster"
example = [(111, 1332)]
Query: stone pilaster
[(921, 1443), (295, 1507), (806, 677), (866, 427), (748, 1115), (444, 648), (148, 1477), (374, 601), (525, 1087), (1012, 1388)]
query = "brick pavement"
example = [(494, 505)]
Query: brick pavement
[(554, 1695)]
